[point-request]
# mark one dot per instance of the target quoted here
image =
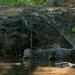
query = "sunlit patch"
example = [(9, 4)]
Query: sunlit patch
[(53, 71)]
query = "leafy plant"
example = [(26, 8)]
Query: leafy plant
[(73, 29)]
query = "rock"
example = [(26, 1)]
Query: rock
[(27, 53), (65, 64)]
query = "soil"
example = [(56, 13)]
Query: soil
[(53, 71)]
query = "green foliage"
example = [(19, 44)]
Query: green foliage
[(7, 1), (73, 29), (29, 2)]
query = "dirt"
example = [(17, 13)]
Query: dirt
[(53, 71), (4, 69)]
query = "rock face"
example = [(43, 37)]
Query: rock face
[(14, 35), (61, 26), (17, 23)]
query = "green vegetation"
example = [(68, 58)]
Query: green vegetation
[(73, 29), (29, 2)]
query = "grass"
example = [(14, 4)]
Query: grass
[(29, 2), (7, 1)]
